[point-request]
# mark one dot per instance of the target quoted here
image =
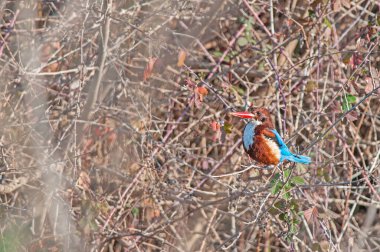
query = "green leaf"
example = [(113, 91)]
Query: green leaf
[(283, 217), (286, 174), (242, 20), (288, 186), (294, 205), (280, 204), (135, 212), (276, 188), (311, 13), (275, 178), (347, 101), (327, 22), (345, 107), (242, 41), (9, 240), (298, 180), (293, 229), (296, 221), (287, 196), (239, 90), (217, 54), (350, 98), (274, 211), (250, 23)]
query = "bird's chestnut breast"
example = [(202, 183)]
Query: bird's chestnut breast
[(259, 147)]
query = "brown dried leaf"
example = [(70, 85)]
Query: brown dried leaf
[(369, 87), (84, 181), (311, 214), (336, 6), (346, 3), (335, 107), (149, 68), (198, 99), (181, 58), (352, 116), (311, 86)]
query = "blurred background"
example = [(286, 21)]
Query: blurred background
[(115, 133)]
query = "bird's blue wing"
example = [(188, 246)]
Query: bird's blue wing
[(286, 154), (248, 135), (283, 148)]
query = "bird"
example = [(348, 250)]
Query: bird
[(262, 142)]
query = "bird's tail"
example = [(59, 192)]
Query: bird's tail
[(298, 158)]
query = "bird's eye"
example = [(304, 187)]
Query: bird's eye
[(263, 119), (258, 113)]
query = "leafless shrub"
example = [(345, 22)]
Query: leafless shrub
[(115, 132)]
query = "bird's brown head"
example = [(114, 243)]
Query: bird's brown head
[(259, 115)]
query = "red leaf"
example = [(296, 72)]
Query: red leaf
[(199, 93), (215, 126), (202, 91), (149, 68)]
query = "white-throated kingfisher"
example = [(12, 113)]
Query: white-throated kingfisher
[(262, 142)]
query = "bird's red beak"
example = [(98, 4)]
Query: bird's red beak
[(243, 114)]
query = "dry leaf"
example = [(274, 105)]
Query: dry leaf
[(149, 68), (198, 99), (311, 214), (181, 58), (369, 87), (336, 6), (205, 165), (311, 86), (335, 107), (346, 3), (84, 181), (352, 116)]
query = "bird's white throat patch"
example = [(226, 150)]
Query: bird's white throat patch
[(257, 123)]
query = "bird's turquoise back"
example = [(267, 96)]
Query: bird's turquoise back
[(286, 154)]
